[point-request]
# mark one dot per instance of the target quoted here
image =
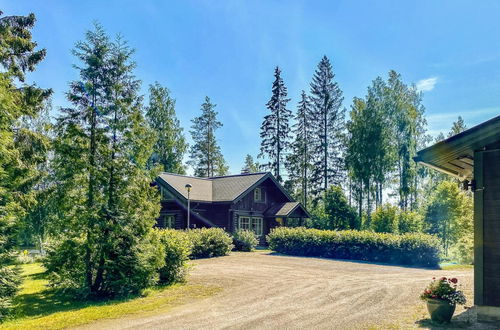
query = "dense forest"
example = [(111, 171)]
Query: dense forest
[(78, 184)]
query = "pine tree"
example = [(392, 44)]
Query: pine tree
[(275, 129), (21, 149), (206, 156), (457, 127), (250, 166), (299, 165), (101, 148), (328, 115), (170, 145)]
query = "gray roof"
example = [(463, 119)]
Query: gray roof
[(455, 155), (216, 189), (282, 209)]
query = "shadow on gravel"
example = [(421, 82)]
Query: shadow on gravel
[(277, 254), (465, 320)]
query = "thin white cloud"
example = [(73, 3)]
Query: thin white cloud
[(426, 85)]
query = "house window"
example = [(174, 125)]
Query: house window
[(244, 223), (167, 221), (257, 195), (254, 224)]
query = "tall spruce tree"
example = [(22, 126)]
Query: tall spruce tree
[(102, 144), (170, 146), (250, 165), (21, 148), (299, 164), (328, 115), (275, 129), (206, 156)]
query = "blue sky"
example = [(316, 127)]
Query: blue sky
[(228, 50)]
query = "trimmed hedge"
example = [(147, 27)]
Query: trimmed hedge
[(407, 249), (244, 240), (177, 248), (209, 242)]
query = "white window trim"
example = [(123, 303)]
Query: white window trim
[(250, 224), (169, 221), (262, 198)]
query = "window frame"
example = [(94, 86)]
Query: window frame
[(253, 224), (167, 221), (260, 192)]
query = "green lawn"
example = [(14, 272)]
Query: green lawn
[(37, 306)]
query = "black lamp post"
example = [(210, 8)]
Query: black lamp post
[(188, 188)]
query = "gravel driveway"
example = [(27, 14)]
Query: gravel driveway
[(266, 291)]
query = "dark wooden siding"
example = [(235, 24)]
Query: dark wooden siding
[(247, 206), (491, 228)]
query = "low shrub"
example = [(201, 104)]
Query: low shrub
[(406, 249), (209, 242), (244, 240), (177, 248)]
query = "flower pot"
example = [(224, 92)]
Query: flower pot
[(441, 311)]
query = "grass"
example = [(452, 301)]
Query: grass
[(455, 266), (39, 307)]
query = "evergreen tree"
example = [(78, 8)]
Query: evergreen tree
[(250, 166), (299, 164), (36, 221), (101, 148), (21, 149), (170, 145), (328, 117), (275, 129), (206, 156), (457, 127)]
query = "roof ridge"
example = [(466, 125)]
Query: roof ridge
[(214, 177), (187, 176), (233, 175)]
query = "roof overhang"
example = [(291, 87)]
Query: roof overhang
[(455, 155)]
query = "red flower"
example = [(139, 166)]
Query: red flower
[(454, 280), (433, 278), (443, 278)]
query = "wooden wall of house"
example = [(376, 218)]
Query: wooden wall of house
[(272, 196), (217, 213), (491, 227)]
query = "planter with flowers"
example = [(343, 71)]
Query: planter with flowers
[(442, 296)]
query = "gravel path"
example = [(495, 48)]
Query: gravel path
[(266, 291)]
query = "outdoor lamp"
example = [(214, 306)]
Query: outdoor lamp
[(188, 188)]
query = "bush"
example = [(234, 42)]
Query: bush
[(407, 249), (244, 240), (177, 248), (385, 219), (129, 267), (209, 242), (9, 285), (463, 250), (410, 222)]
